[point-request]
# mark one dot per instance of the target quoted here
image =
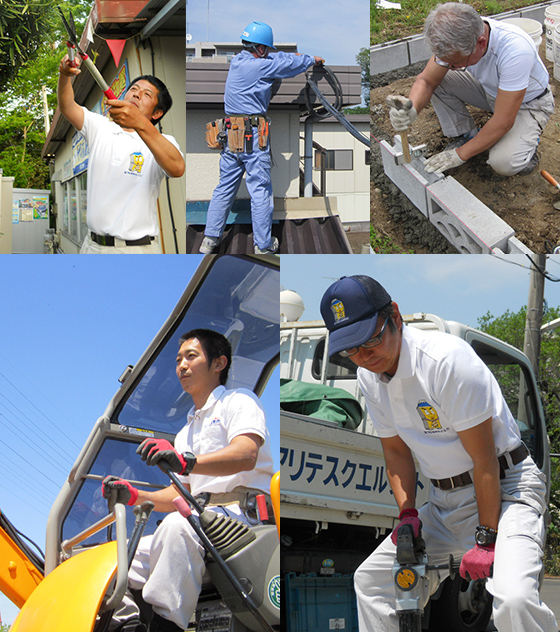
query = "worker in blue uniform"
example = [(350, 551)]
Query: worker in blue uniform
[(247, 96)]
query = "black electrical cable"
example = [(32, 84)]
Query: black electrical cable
[(16, 536), (174, 229), (328, 109), (334, 83)]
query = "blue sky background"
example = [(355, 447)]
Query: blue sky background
[(330, 29), (70, 326), (455, 287)]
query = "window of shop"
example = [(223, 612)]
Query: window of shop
[(74, 194)]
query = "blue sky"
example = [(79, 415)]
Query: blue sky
[(70, 326), (455, 287), (333, 30)]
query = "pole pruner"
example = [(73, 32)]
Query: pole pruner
[(73, 45)]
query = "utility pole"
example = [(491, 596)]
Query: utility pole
[(532, 342)]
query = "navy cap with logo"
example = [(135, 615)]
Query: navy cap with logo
[(349, 308)]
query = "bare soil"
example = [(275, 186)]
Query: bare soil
[(524, 202)]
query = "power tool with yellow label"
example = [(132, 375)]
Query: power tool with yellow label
[(415, 580)]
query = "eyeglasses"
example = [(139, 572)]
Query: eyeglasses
[(372, 342), (449, 66)]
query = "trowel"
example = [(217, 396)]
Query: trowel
[(552, 181)]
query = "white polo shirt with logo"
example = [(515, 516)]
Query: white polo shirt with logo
[(226, 415), (123, 180), (440, 388), (511, 63)]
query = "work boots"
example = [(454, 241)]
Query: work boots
[(271, 250), (208, 245)]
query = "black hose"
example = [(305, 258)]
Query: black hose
[(37, 559), (173, 228), (328, 109), (334, 83)]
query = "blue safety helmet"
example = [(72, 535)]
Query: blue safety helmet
[(258, 33)]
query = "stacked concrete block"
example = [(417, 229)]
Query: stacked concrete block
[(464, 220), (411, 178)]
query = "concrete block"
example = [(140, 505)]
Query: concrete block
[(411, 178), (464, 220), (418, 50), (388, 56), (534, 13), (515, 247)]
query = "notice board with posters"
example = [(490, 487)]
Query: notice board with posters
[(30, 220)]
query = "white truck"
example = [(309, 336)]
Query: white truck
[(336, 503)]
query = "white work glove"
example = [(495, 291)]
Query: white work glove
[(439, 163), (401, 112)]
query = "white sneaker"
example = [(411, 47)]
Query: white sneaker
[(208, 244), (271, 250)]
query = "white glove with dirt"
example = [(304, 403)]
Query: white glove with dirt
[(439, 163), (401, 112)]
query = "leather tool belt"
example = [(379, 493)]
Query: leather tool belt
[(238, 131), (506, 460)]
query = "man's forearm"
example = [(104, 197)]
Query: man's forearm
[(162, 498), (401, 471), (487, 137), (65, 93), (488, 494)]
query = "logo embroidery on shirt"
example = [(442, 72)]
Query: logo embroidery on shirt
[(337, 307), (428, 415), (136, 163)]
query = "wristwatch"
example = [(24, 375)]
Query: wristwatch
[(485, 536), (190, 459)]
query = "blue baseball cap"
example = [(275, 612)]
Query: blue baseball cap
[(349, 308)]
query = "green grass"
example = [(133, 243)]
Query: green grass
[(392, 24), (384, 245)]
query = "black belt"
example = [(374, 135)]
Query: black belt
[(109, 240), (541, 95), (462, 480), (254, 118)]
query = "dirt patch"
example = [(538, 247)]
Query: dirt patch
[(524, 202)]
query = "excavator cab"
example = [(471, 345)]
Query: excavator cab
[(85, 570)]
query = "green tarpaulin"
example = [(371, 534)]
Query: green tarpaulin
[(321, 402)]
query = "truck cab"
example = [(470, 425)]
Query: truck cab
[(336, 503)]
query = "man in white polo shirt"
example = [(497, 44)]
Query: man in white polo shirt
[(488, 64), (431, 397), (222, 452), (128, 159)]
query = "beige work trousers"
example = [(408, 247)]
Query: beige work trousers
[(516, 148)]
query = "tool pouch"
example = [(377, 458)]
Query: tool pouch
[(213, 129), (236, 134), (263, 132)]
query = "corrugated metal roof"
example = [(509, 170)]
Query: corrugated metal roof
[(324, 235)]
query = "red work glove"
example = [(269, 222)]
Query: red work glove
[(478, 563), (126, 494), (407, 516), (154, 450)]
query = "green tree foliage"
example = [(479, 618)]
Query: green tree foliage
[(22, 31), (34, 71), (510, 327)]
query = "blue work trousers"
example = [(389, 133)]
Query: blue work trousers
[(256, 165)]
